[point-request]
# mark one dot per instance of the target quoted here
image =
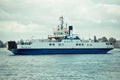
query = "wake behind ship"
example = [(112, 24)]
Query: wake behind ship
[(63, 41)]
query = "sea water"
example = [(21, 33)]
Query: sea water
[(60, 67)]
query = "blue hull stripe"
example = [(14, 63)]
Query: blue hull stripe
[(60, 51)]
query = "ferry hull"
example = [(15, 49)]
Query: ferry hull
[(60, 51)]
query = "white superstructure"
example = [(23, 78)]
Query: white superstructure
[(63, 37)]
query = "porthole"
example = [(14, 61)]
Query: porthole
[(59, 44), (49, 44), (76, 44)]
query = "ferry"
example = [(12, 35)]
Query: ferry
[(62, 41)]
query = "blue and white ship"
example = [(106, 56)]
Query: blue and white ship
[(63, 41)]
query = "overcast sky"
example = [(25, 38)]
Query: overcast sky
[(22, 19)]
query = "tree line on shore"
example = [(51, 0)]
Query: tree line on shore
[(102, 39), (110, 40), (2, 44)]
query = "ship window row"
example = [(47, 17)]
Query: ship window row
[(61, 44), (79, 44), (54, 44), (60, 33), (83, 44), (51, 44), (76, 44)]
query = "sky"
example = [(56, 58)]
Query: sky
[(26, 19)]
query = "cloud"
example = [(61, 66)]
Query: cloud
[(11, 30), (13, 26), (43, 11), (40, 16)]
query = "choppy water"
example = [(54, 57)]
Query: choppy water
[(60, 67)]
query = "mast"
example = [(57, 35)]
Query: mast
[(61, 31), (62, 22)]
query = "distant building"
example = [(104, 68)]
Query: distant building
[(117, 44)]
